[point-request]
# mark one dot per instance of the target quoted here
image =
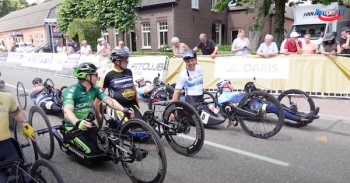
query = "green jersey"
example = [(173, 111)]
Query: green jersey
[(82, 100)]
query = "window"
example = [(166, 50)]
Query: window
[(105, 35), (212, 4), (218, 34), (31, 39), (162, 33), (42, 39), (195, 4), (37, 40), (146, 35), (116, 37)]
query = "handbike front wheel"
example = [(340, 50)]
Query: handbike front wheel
[(268, 122), (26, 143), (21, 95), (142, 143), (183, 138), (44, 142), (160, 93), (44, 171)]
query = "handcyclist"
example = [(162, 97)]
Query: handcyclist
[(78, 100), (43, 99), (225, 93), (119, 81), (144, 89), (7, 148)]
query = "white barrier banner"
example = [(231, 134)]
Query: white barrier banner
[(90, 58), (18, 57), (38, 60), (147, 67), (71, 62), (57, 61), (252, 67)]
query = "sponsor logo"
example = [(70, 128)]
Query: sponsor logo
[(157, 90), (129, 94), (76, 152), (325, 15), (148, 66), (69, 95), (3, 111)]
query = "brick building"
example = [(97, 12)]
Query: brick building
[(27, 25)]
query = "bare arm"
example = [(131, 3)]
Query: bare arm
[(195, 48), (69, 115), (338, 49), (20, 117), (249, 47), (216, 50), (299, 50), (176, 95), (322, 50), (346, 45), (233, 47), (37, 89), (176, 54), (113, 103), (136, 98)]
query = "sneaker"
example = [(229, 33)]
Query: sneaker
[(308, 117)]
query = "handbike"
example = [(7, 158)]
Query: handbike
[(114, 145), (19, 170), (49, 86)]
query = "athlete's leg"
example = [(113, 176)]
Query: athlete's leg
[(137, 112), (86, 142), (49, 105), (8, 151)]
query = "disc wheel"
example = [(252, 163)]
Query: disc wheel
[(21, 95)]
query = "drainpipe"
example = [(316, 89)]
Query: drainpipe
[(271, 15), (173, 13)]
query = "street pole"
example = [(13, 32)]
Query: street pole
[(53, 50)]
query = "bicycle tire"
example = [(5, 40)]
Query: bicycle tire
[(200, 133), (137, 123), (17, 133), (212, 97), (49, 80), (273, 101), (61, 91), (23, 104), (47, 156), (42, 162), (169, 93), (308, 98)]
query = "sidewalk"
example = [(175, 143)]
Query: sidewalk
[(333, 106)]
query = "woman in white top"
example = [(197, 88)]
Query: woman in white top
[(178, 48), (241, 45), (60, 48)]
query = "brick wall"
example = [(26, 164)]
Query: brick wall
[(190, 23)]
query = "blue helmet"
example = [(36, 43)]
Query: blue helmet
[(36, 80), (189, 54)]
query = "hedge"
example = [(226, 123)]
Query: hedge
[(85, 29)]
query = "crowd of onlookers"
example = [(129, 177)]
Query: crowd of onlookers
[(241, 45)]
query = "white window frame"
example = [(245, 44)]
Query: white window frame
[(218, 29), (37, 40), (42, 39), (159, 31), (116, 41), (142, 35), (212, 4), (130, 46), (195, 4)]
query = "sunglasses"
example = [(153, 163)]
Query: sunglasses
[(37, 82), (96, 74)]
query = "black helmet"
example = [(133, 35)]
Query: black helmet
[(83, 69), (250, 87), (189, 54), (118, 55), (35, 80)]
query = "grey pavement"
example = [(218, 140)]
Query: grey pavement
[(315, 153)]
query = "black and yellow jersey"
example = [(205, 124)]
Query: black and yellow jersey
[(120, 86)]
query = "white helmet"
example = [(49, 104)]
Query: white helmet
[(138, 80), (221, 83)]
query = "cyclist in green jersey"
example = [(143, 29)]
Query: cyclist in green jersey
[(78, 100)]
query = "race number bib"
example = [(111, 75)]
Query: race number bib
[(205, 117)]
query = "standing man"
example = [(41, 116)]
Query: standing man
[(208, 46), (268, 48), (344, 41), (293, 45), (74, 45), (55, 46), (13, 48), (123, 47), (308, 46), (85, 49)]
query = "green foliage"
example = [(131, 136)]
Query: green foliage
[(85, 30), (7, 6), (165, 48), (107, 13), (225, 47)]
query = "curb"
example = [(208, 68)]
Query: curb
[(328, 116)]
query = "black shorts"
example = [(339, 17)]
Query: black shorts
[(8, 151), (194, 100)]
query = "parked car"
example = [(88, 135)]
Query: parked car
[(20, 47), (2, 47), (46, 48)]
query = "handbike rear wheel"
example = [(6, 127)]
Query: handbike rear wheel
[(21, 95), (211, 99), (42, 142), (186, 115), (38, 170), (257, 98), (139, 154), (296, 109)]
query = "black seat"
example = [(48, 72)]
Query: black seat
[(163, 103)]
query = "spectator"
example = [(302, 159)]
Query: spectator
[(344, 41), (99, 44), (13, 48), (123, 47), (178, 48), (74, 45), (69, 49), (308, 46), (60, 48), (85, 49), (55, 46), (106, 49), (330, 46), (268, 48), (241, 45), (293, 45), (208, 46)]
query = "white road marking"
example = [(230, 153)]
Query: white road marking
[(264, 158), (14, 86)]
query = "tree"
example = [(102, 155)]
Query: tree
[(85, 29), (120, 15), (7, 6)]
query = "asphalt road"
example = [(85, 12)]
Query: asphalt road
[(316, 153)]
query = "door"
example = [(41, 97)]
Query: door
[(133, 41), (233, 35)]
